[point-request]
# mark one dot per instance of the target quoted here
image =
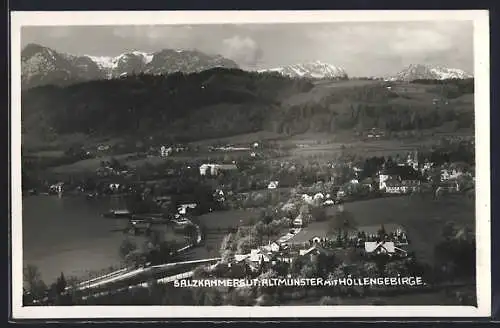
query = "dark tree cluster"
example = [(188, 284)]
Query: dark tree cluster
[(221, 102), (202, 103), (452, 88)]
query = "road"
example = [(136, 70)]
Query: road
[(120, 279)]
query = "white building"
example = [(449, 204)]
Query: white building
[(103, 147), (386, 248), (183, 208), (255, 258), (393, 186), (204, 169), (272, 247), (57, 188), (298, 222), (319, 196), (273, 185), (114, 186), (214, 169), (307, 199), (165, 152), (328, 202)]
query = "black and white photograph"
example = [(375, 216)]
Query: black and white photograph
[(250, 164)]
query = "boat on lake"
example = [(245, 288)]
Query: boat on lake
[(118, 208)]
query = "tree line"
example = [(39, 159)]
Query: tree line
[(221, 102)]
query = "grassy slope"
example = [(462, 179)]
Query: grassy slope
[(319, 144), (423, 219), (344, 93)]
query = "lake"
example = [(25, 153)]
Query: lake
[(69, 235)]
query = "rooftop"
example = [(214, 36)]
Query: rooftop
[(373, 246), (314, 229), (405, 172)]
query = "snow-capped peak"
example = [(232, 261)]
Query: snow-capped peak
[(109, 62), (148, 57), (105, 62), (315, 69), (450, 73), (42, 65), (428, 72)]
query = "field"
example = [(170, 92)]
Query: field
[(299, 146), (324, 88), (87, 165), (247, 138), (423, 219), (321, 145), (309, 144), (371, 148)]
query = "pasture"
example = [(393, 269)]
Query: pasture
[(299, 146), (324, 88), (86, 165), (422, 218), (330, 145), (310, 148), (240, 139)]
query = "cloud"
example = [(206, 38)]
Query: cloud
[(420, 40), (402, 38), (144, 32), (58, 32), (243, 50), (362, 48), (153, 33)]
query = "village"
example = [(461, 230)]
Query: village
[(299, 209)]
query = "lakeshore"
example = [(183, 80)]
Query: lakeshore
[(69, 235)]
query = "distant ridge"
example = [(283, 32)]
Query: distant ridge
[(42, 65), (313, 70), (428, 72)]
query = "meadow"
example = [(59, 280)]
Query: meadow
[(423, 218), (297, 147)]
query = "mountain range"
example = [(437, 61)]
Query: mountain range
[(428, 72), (42, 65), (314, 70)]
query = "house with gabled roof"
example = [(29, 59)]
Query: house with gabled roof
[(271, 247), (273, 185), (399, 179), (214, 169), (383, 248)]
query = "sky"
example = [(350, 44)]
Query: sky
[(362, 48)]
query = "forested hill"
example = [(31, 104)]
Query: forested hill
[(221, 102)]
